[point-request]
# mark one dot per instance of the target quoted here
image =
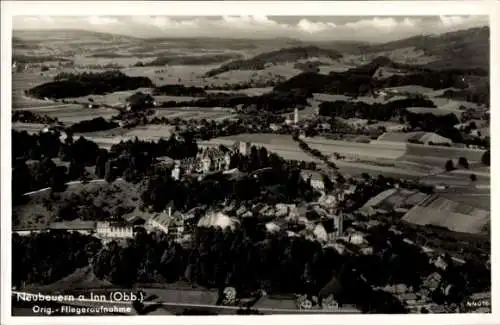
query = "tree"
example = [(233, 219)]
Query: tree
[(462, 161), (109, 176), (327, 182), (485, 159), (449, 165), (76, 170)]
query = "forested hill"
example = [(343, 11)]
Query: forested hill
[(290, 54), (76, 85), (468, 48), (359, 80)]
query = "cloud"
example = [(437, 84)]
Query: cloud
[(100, 20), (373, 29)]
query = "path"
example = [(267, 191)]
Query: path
[(102, 180)]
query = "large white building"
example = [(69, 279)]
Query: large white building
[(109, 230)]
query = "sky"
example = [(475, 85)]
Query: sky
[(314, 28)]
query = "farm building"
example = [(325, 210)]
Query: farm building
[(456, 216), (416, 137), (397, 199)]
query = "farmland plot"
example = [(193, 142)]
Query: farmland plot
[(72, 113)]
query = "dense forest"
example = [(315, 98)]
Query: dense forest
[(48, 257), (66, 85), (95, 124)]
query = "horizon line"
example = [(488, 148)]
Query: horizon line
[(238, 38)]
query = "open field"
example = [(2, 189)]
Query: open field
[(106, 139), (188, 75), (23, 81), (443, 153), (193, 114), (454, 215), (112, 99), (355, 150), (247, 91), (72, 113), (479, 199), (118, 60), (435, 111), (410, 89), (28, 127)]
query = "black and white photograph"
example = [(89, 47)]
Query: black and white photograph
[(248, 165)]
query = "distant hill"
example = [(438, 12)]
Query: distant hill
[(48, 35), (225, 43), (290, 54), (467, 48)]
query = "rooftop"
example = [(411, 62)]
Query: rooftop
[(394, 198), (412, 136)]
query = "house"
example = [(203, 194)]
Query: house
[(206, 164), (272, 227), (217, 219), (315, 178), (440, 263), (432, 281), (177, 172), (356, 238), (275, 127), (333, 227)]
